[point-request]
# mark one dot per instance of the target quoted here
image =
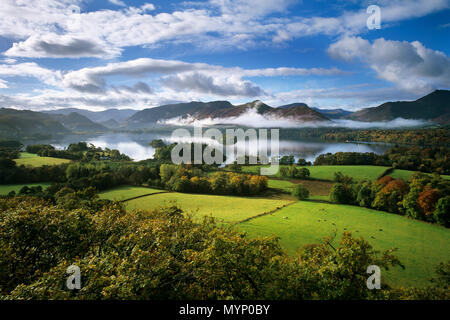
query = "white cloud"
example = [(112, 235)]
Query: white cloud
[(230, 86), (31, 69), (200, 77), (230, 23), (117, 3), (62, 46), (3, 84), (148, 7), (409, 65)]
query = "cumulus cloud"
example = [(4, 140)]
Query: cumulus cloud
[(62, 46), (139, 87), (31, 69), (410, 65), (233, 23), (200, 77), (220, 86)]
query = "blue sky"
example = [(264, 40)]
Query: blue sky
[(137, 54)]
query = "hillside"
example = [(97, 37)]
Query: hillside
[(334, 113), (169, 111), (24, 123), (118, 115), (77, 123), (223, 110), (434, 106)]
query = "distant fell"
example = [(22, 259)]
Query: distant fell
[(434, 106)]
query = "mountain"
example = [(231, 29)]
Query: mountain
[(221, 110), (334, 113), (118, 115), (296, 104), (24, 123), (77, 123), (111, 124), (152, 116), (434, 106)]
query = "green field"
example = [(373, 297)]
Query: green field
[(327, 172), (33, 160), (7, 188), (406, 174), (225, 208), (282, 185), (127, 192), (421, 246)]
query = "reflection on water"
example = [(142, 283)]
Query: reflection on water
[(136, 145)]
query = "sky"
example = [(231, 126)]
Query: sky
[(105, 54)]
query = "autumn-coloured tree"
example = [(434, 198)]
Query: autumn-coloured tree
[(427, 200)]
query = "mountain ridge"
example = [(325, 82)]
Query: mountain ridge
[(435, 106)]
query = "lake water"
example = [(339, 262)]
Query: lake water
[(136, 145)]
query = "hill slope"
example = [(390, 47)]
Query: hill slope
[(118, 115), (434, 106), (77, 122), (222, 110), (24, 123), (334, 113)]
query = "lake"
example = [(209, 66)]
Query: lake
[(136, 145)]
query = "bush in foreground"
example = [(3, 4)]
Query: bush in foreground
[(164, 254)]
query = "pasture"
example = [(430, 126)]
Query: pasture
[(124, 193), (33, 160), (227, 209), (327, 172), (406, 174), (421, 246), (7, 188)]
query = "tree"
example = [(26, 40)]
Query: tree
[(427, 200), (342, 193), (442, 212), (287, 160), (300, 192), (364, 196), (341, 178)]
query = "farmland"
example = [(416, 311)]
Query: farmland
[(33, 160), (224, 208), (327, 172), (421, 246), (7, 188), (123, 193), (406, 174)]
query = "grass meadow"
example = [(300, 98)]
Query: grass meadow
[(124, 193), (33, 160), (421, 246), (327, 172), (7, 188), (227, 209)]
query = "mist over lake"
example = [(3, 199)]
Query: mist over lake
[(136, 145)]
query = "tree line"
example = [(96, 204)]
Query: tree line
[(408, 158), (424, 197)]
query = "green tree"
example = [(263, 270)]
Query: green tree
[(442, 212), (300, 192)]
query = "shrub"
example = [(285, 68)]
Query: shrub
[(300, 192)]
